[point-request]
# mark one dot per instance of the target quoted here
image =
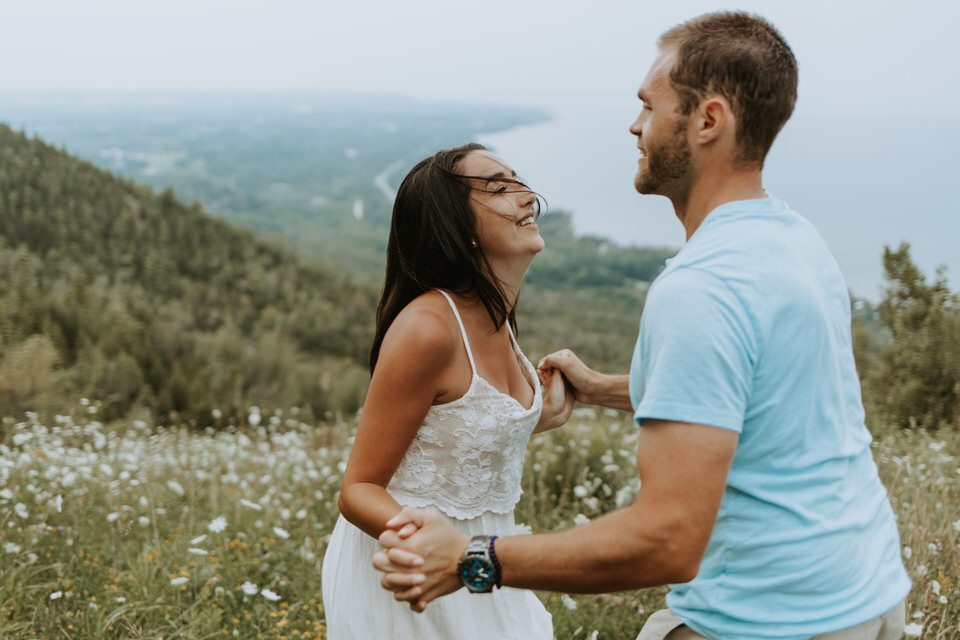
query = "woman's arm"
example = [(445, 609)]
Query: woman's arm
[(415, 355)]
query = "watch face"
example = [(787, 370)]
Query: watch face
[(476, 574)]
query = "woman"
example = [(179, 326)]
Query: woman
[(452, 401)]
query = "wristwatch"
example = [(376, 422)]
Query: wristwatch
[(479, 570)]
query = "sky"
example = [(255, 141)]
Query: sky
[(879, 57), (885, 69)]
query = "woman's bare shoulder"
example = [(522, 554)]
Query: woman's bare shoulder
[(424, 329)]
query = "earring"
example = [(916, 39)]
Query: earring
[(474, 243)]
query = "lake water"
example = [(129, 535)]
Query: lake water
[(864, 182)]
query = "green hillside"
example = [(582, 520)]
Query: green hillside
[(115, 292)]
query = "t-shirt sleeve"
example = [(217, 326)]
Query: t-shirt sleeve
[(696, 352)]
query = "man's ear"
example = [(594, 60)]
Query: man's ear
[(715, 120)]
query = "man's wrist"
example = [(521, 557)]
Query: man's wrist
[(478, 569), (498, 573), (607, 390)]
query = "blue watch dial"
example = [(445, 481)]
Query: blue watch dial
[(477, 574)]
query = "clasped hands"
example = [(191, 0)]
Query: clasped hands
[(420, 556)]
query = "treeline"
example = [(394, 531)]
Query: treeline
[(910, 368), (112, 291)]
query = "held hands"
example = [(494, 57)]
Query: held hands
[(557, 399), (420, 556), (576, 374)]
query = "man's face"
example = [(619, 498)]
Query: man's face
[(665, 161)]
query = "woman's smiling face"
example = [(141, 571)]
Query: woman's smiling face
[(506, 210)]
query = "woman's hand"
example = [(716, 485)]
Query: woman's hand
[(557, 400)]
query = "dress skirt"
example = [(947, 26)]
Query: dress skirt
[(358, 608)]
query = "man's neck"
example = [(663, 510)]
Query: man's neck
[(715, 188)]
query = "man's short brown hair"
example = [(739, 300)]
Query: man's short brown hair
[(743, 58)]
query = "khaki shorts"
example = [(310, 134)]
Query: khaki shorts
[(663, 625)]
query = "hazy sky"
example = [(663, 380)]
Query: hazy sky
[(878, 57)]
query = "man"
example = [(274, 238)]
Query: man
[(760, 503)]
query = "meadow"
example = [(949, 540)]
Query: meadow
[(129, 530)]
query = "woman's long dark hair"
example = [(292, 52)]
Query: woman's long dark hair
[(432, 246)]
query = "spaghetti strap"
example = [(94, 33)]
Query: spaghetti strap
[(513, 338), (463, 332)]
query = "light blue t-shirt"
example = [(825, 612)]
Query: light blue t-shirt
[(748, 329)]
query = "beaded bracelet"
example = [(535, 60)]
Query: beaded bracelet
[(496, 564)]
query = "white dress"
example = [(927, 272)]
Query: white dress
[(466, 462)]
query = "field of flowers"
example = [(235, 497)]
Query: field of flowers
[(131, 531)]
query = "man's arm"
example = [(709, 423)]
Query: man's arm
[(660, 539), (589, 386)]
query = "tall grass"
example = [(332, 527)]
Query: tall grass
[(130, 531)]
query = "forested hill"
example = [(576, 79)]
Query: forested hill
[(112, 291)]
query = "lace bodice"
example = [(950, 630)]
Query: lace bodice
[(467, 456)]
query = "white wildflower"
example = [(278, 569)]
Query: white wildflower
[(58, 504), (250, 505), (176, 487), (179, 581), (21, 510), (942, 600), (580, 491), (143, 521), (580, 519), (922, 570), (56, 595), (6, 494), (956, 525), (199, 539), (197, 552), (280, 533), (121, 599), (301, 514), (217, 525), (907, 553), (568, 602), (935, 585), (11, 548), (913, 630), (113, 516), (270, 595), (249, 588)]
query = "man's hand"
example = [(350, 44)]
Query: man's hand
[(589, 386), (419, 561), (576, 373)]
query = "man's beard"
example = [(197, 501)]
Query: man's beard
[(668, 164)]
